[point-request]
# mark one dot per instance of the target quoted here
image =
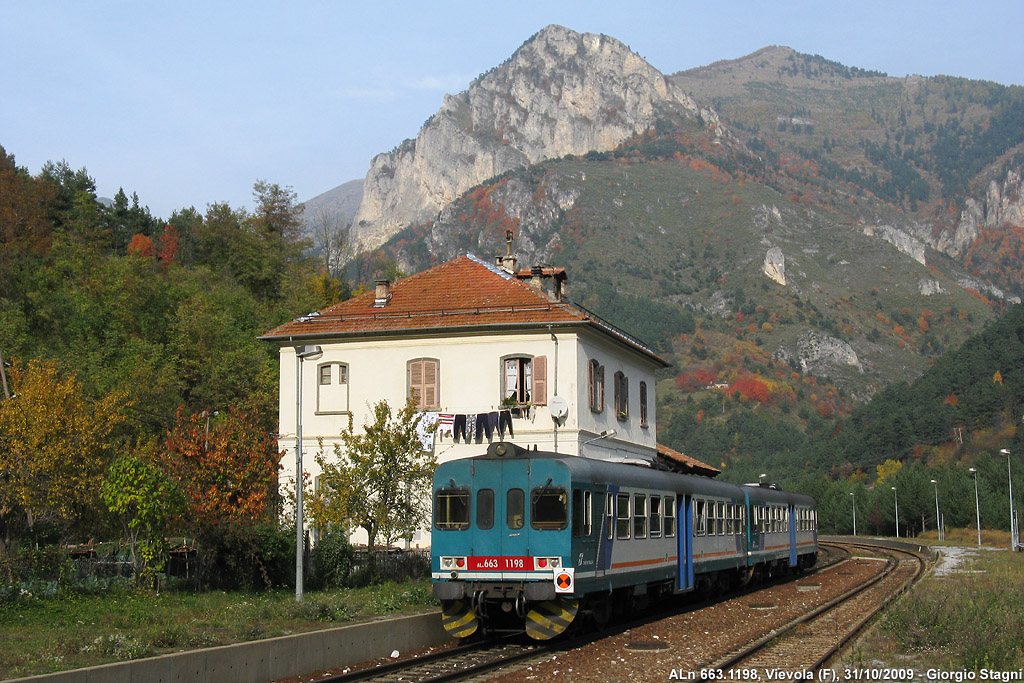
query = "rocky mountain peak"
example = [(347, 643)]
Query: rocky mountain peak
[(560, 93)]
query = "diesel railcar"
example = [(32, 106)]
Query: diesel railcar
[(527, 540)]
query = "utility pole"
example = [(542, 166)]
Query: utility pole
[(3, 375)]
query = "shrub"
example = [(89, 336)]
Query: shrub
[(333, 559), (240, 556)]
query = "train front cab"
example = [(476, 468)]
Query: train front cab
[(501, 545)]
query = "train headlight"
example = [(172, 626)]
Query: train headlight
[(547, 562), (453, 562)]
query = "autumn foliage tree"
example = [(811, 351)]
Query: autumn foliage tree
[(55, 445), (225, 467)]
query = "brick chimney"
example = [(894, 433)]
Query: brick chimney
[(381, 293)]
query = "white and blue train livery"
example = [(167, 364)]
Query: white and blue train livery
[(525, 540)]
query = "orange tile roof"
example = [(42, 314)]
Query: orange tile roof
[(684, 463), (462, 294)]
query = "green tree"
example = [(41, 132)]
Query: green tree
[(145, 501), (380, 480)]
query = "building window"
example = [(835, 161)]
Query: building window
[(643, 404), (595, 384), (621, 396), (332, 388), (424, 382), (524, 380)]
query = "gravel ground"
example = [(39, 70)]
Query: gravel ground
[(697, 639)]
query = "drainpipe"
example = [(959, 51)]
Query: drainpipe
[(554, 390)]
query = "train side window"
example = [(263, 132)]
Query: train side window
[(609, 516), (549, 508), (588, 514), (622, 518), (451, 509), (485, 509), (655, 516), (732, 518), (670, 517), (515, 508), (720, 518), (639, 516), (699, 519), (743, 519)]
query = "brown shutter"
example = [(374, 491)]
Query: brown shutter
[(430, 382), (540, 381)]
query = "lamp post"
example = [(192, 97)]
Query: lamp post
[(301, 353), (1013, 530), (896, 498), (854, 499), (977, 506), (938, 519), (606, 434)]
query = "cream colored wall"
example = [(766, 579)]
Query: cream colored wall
[(470, 372)]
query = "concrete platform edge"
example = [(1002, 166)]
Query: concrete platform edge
[(260, 661)]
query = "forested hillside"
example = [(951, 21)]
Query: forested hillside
[(134, 337)]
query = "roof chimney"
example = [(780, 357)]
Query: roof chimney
[(382, 293), (508, 261), (537, 277)]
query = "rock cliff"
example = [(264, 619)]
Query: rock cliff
[(560, 93)]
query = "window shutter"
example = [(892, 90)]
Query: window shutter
[(430, 382), (540, 380), (416, 381)]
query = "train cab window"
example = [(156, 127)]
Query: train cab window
[(485, 509), (549, 508), (699, 519), (515, 509), (670, 517), (656, 516), (451, 509), (639, 516), (609, 515), (622, 516)]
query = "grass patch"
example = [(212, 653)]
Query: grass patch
[(970, 618), (72, 631)]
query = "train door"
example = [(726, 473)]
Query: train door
[(792, 537), (586, 528), (514, 534), (684, 544), (488, 512)]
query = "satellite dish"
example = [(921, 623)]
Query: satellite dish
[(559, 407)]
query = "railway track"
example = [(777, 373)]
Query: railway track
[(809, 643), (804, 644), (464, 662)]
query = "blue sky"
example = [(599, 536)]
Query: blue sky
[(188, 103)]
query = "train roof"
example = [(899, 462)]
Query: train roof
[(604, 472)]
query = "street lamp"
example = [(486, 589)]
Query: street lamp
[(938, 519), (854, 498), (896, 498), (1013, 530), (301, 353), (977, 506), (606, 434)]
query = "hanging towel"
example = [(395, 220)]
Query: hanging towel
[(446, 424)]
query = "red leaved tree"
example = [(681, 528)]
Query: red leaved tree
[(226, 467)]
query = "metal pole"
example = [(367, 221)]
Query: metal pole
[(854, 512), (1009, 478), (299, 546), (896, 498), (938, 519), (977, 505), (3, 376)]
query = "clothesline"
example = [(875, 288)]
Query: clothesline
[(465, 426)]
